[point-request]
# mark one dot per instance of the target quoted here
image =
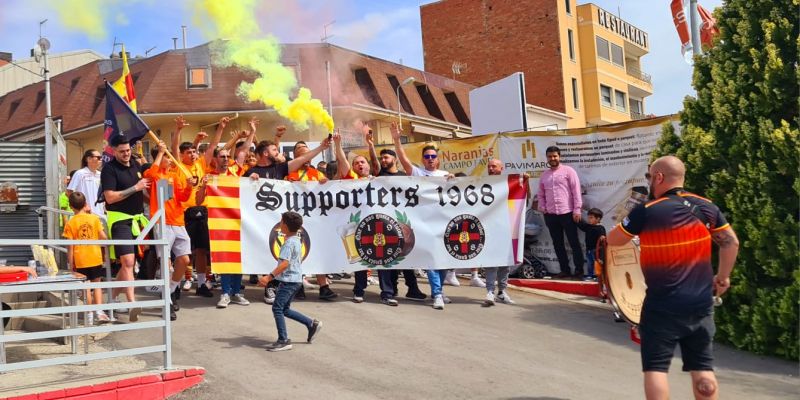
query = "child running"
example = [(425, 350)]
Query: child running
[(289, 276)]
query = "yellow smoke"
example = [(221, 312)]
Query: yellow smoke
[(245, 46), (85, 16)]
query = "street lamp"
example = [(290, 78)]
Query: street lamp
[(399, 106)]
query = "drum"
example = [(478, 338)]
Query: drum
[(624, 280)]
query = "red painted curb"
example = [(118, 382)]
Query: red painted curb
[(156, 386), (572, 287)]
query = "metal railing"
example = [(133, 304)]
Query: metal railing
[(638, 74), (73, 331)]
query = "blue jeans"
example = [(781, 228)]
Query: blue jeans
[(590, 263), (280, 308), (435, 279), (231, 283)]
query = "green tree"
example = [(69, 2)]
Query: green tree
[(741, 145)]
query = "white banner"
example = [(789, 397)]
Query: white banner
[(610, 162), (386, 222)]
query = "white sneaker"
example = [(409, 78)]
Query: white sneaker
[(505, 298), (451, 279), (120, 310), (224, 300), (269, 298), (372, 281), (358, 299), (240, 300), (187, 285), (489, 299), (476, 281), (102, 317), (438, 303), (446, 299)]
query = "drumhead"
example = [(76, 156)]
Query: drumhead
[(624, 280)]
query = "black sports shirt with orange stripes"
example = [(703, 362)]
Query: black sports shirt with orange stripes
[(676, 250)]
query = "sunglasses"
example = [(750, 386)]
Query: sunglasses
[(429, 156), (96, 157)]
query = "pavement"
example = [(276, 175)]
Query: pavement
[(546, 346)]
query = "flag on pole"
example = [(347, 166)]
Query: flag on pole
[(708, 26), (121, 122), (124, 85)]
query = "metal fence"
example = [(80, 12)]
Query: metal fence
[(165, 347)]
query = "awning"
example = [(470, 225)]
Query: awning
[(427, 130)]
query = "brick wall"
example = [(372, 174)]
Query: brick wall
[(496, 38)]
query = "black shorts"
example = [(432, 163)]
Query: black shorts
[(122, 231), (196, 219), (662, 331), (93, 273)]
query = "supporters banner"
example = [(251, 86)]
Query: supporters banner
[(386, 222)]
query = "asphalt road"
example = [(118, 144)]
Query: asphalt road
[(539, 348)]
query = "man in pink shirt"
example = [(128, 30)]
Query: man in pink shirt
[(560, 202)]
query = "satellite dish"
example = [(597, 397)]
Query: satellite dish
[(44, 44)]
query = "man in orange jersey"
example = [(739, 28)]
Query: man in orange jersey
[(195, 214), (175, 230), (675, 232)]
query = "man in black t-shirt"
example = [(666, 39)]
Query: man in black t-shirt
[(122, 185), (389, 278)]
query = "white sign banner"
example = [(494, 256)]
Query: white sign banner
[(610, 162), (385, 222)]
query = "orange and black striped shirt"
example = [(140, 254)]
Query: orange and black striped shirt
[(676, 250)]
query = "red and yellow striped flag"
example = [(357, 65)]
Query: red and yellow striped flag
[(124, 85), (224, 224)]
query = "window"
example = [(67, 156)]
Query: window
[(575, 102), (403, 99), (74, 83), (39, 99), (99, 96), (198, 78), (429, 101), (605, 95), (458, 109), (636, 106), (571, 40), (620, 101), (616, 55), (602, 48), (569, 7), (13, 107), (368, 87)]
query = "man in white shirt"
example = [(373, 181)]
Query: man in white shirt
[(87, 181)]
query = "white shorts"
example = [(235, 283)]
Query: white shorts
[(178, 241)]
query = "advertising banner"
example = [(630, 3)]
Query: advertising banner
[(385, 222)]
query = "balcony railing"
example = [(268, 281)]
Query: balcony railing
[(636, 115), (637, 73)]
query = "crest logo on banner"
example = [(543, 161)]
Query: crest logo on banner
[(528, 149)]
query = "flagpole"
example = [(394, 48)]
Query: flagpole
[(152, 136)]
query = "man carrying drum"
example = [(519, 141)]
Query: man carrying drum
[(676, 230)]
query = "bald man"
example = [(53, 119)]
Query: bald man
[(675, 231)]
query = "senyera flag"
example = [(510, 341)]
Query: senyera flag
[(121, 121), (382, 223), (124, 85)]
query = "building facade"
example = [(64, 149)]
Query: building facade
[(14, 77), (354, 86), (579, 60)]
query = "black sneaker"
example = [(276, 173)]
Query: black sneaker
[(204, 291), (300, 294), (174, 296), (416, 296), (325, 293), (172, 315), (281, 345), (315, 328)]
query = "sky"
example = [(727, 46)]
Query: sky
[(387, 29)]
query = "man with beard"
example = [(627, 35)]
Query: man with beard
[(388, 278), (675, 232), (308, 173), (560, 201), (269, 166), (122, 184), (430, 161), (359, 169)]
